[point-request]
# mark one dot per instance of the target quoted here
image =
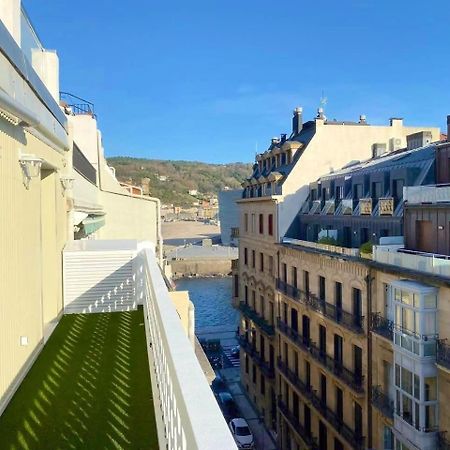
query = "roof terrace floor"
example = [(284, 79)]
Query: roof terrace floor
[(89, 388)]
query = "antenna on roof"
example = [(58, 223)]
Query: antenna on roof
[(320, 110)]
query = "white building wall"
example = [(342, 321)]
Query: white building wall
[(228, 214)]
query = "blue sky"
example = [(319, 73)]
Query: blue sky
[(215, 80)]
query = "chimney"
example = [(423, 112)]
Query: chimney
[(297, 121), (448, 128), (283, 138), (362, 118), (275, 141)]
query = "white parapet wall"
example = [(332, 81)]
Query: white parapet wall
[(188, 417)]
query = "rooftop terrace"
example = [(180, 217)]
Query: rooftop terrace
[(89, 388)]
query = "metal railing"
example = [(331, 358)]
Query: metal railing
[(354, 380), (338, 315), (443, 353), (256, 318), (306, 390), (443, 442), (265, 367), (382, 402), (294, 422), (185, 403), (381, 325), (77, 104)]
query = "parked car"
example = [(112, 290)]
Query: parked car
[(218, 384), (235, 351), (241, 433), (228, 405)]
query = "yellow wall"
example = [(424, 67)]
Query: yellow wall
[(30, 275)]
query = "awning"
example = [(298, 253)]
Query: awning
[(92, 223), (79, 216)]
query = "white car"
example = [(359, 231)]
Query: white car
[(241, 433)]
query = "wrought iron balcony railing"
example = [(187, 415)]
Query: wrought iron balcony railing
[(352, 379), (443, 353), (381, 325), (337, 315), (256, 318), (443, 442), (294, 422), (265, 367), (382, 402)]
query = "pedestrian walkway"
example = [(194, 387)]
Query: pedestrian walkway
[(233, 359), (263, 439)]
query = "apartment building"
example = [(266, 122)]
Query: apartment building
[(304, 315), (74, 241)]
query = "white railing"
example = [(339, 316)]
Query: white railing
[(395, 255), (426, 194), (326, 247), (188, 416)]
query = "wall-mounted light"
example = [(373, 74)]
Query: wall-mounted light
[(440, 227), (67, 182), (31, 167)]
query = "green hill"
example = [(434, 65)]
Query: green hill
[(181, 176)]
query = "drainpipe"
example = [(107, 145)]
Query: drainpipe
[(369, 280)]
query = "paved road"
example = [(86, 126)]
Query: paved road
[(263, 440)]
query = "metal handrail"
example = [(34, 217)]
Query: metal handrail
[(381, 325), (265, 367), (297, 426), (255, 317), (382, 402), (353, 380)]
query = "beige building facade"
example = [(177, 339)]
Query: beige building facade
[(305, 312)]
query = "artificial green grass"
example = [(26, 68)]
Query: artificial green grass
[(90, 388)]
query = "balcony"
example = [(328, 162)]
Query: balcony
[(264, 366), (329, 207), (325, 247), (365, 206), (315, 207), (443, 354), (251, 314), (382, 402), (127, 379), (382, 326), (353, 380), (427, 194), (289, 290), (386, 206), (295, 424), (443, 442), (345, 431), (347, 206), (395, 255)]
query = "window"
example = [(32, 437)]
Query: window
[(253, 258), (323, 438), (339, 403), (262, 306), (270, 224), (322, 340), (261, 224), (306, 281), (322, 288), (358, 422), (254, 300), (253, 223), (246, 256), (294, 277), (284, 272), (246, 222), (246, 363), (323, 389), (270, 264), (261, 262), (357, 307), (254, 374), (262, 385), (246, 294), (338, 352), (236, 285)]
